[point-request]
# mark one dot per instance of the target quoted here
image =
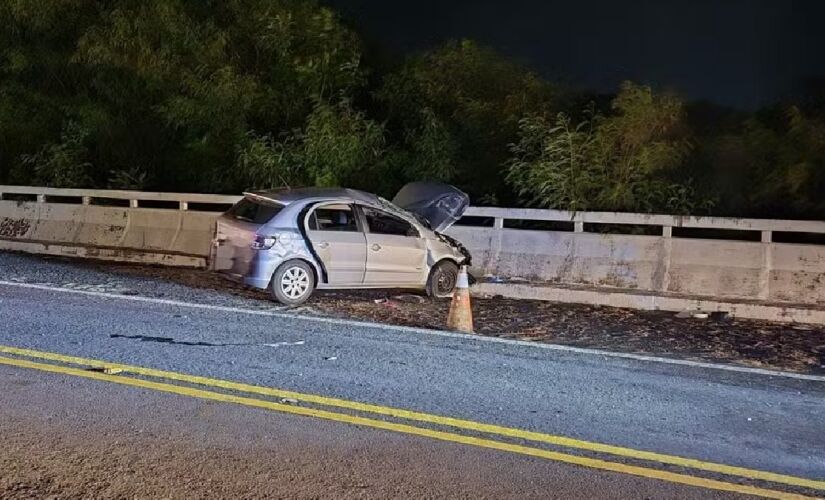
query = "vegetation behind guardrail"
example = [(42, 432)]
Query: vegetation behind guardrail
[(186, 95)]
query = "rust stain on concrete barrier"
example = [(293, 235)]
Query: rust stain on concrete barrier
[(14, 228)]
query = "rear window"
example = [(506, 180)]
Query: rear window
[(255, 211)]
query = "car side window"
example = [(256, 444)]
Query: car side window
[(333, 218), (383, 223)]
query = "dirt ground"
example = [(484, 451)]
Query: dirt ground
[(792, 347)]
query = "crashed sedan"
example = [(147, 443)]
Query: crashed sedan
[(293, 241)]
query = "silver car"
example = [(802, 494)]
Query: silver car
[(293, 241)]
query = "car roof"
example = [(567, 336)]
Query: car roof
[(286, 196)]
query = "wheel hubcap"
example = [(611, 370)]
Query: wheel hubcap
[(295, 282), (446, 282)]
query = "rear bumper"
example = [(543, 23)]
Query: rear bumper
[(255, 282), (261, 268)]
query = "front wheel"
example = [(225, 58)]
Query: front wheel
[(292, 283), (441, 282)]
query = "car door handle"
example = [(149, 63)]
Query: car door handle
[(323, 244), (376, 247)]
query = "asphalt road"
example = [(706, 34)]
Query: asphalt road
[(773, 424), (70, 438)]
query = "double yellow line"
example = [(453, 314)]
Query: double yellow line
[(114, 373)]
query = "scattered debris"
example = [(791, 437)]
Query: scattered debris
[(108, 370), (409, 298), (279, 344), (288, 401), (385, 302), (169, 340), (699, 315), (490, 278), (330, 358), (298, 310)]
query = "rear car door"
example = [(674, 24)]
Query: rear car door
[(396, 253), (336, 236)]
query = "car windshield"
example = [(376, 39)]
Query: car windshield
[(254, 211)]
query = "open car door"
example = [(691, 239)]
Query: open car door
[(339, 241)]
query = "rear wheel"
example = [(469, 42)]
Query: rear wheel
[(441, 282), (292, 283)]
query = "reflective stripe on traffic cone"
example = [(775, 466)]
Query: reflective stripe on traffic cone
[(460, 317)]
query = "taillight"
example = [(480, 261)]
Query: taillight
[(263, 242)]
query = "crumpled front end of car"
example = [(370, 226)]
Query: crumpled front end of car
[(460, 249)]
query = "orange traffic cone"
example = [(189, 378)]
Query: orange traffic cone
[(461, 313)]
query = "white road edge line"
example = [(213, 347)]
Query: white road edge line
[(425, 331)]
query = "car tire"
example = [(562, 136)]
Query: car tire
[(442, 279), (293, 282)]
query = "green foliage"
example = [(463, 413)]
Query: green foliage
[(642, 142), (132, 179), (340, 145), (168, 90), (337, 146), (785, 165), (262, 163), (430, 150), (770, 165), (426, 152), (622, 162), (475, 98), (221, 96), (552, 164), (63, 164)]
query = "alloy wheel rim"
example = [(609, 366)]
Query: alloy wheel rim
[(295, 282)]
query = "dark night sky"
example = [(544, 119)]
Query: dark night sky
[(736, 52)]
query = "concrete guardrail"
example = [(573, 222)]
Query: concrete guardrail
[(160, 228), (716, 260), (533, 253)]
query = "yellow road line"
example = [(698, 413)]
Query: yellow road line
[(432, 419), (408, 429)]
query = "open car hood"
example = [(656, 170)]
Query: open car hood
[(440, 205)]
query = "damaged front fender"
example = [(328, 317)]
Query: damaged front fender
[(458, 246)]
